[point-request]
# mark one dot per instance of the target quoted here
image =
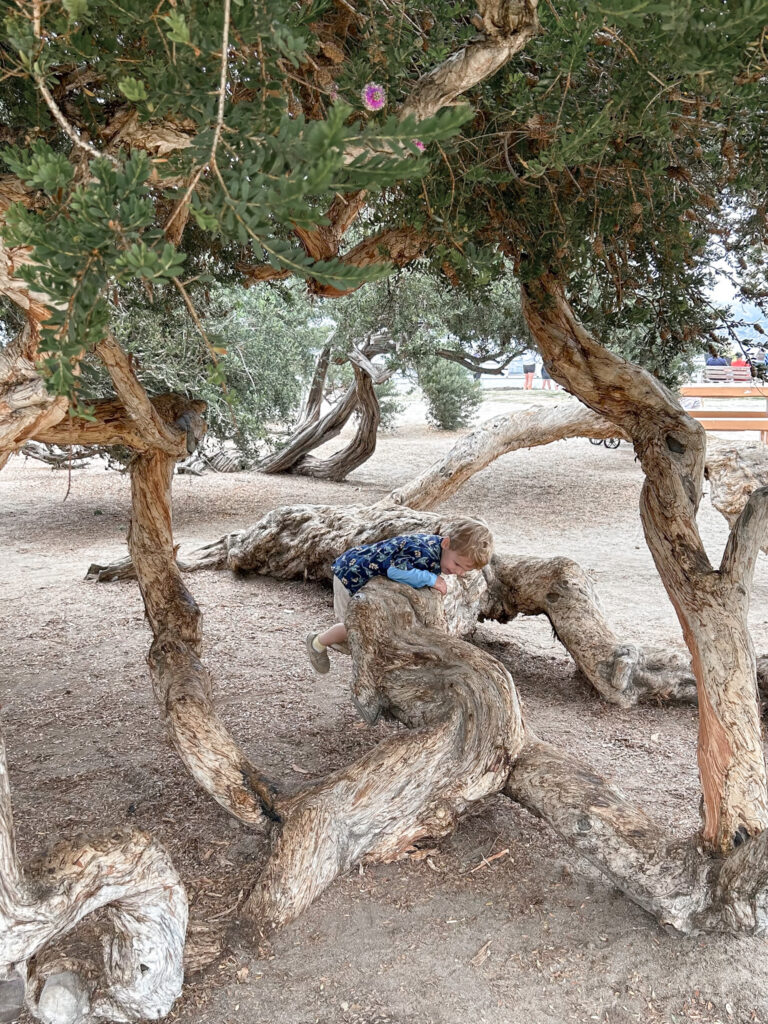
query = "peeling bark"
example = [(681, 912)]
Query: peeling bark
[(301, 542), (125, 871), (711, 605), (182, 684), (464, 730), (679, 883)]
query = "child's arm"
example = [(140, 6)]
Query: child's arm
[(416, 578)]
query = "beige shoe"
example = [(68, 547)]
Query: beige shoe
[(320, 661)]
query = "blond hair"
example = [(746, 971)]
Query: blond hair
[(471, 538)]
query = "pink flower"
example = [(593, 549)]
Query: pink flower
[(333, 93), (419, 145), (374, 96)]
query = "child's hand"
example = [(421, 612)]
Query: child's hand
[(440, 585)]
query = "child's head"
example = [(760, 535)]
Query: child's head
[(467, 545)]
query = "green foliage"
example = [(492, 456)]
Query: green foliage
[(623, 150), (420, 317), (453, 397), (268, 169), (264, 338)]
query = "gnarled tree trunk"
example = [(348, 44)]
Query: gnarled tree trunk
[(409, 662), (295, 458), (301, 542), (474, 451), (464, 730), (125, 871), (182, 684), (711, 603)]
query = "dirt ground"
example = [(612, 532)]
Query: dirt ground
[(532, 936)]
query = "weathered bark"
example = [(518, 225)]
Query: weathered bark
[(182, 684), (301, 542), (478, 449), (113, 424), (622, 673), (711, 604), (311, 411), (26, 406), (734, 472), (465, 728), (125, 871), (680, 884), (294, 458)]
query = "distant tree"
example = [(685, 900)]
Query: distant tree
[(411, 324)]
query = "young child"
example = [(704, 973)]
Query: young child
[(418, 559)]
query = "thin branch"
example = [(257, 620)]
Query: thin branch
[(475, 364), (745, 540), (68, 129), (211, 161)]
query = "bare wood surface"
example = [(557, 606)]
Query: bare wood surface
[(126, 872), (301, 542), (182, 684), (464, 729), (474, 451), (677, 882), (671, 447)]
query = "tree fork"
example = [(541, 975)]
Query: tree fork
[(295, 457), (464, 730), (711, 607)]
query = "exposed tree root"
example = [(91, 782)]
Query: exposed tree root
[(125, 871), (678, 883)]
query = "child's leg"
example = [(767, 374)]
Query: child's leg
[(335, 635)]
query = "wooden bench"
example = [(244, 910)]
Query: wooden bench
[(727, 374), (729, 419)]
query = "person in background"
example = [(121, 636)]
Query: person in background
[(546, 380), (713, 359), (529, 368)]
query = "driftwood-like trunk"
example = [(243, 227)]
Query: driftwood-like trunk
[(464, 730), (711, 603), (311, 411), (467, 733), (474, 451), (301, 542), (360, 397), (679, 883), (128, 873)]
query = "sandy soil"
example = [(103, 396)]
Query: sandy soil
[(534, 936)]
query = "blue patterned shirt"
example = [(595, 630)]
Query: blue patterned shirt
[(420, 551)]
